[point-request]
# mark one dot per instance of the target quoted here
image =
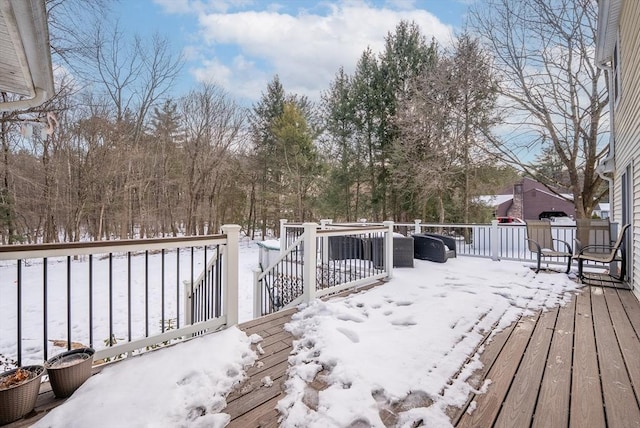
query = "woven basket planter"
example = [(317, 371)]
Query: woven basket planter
[(69, 370), (20, 399)]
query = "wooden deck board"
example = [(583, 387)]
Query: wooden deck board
[(492, 347), (488, 405), (264, 415), (552, 408), (627, 338), (247, 326), (258, 396), (632, 309), (283, 337), (587, 379), (616, 387), (517, 409), (586, 393)]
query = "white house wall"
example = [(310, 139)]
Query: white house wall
[(627, 123)]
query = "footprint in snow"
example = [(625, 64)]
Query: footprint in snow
[(404, 303), (406, 322), (349, 317), (350, 334)]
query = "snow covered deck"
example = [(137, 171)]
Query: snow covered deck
[(575, 365)]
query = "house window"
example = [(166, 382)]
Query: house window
[(616, 72)]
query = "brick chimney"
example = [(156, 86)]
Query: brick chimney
[(517, 207)]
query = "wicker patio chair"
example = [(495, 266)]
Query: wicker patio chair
[(541, 242), (433, 247), (604, 253)]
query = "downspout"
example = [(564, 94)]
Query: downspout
[(601, 169)]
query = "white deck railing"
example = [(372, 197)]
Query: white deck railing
[(317, 260), (104, 300), (190, 285)]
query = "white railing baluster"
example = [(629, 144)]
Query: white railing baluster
[(417, 228), (310, 261), (388, 249), (495, 241), (230, 283)]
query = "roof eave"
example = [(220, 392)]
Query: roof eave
[(29, 18), (607, 34)]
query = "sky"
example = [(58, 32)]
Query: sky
[(241, 45), (427, 320)]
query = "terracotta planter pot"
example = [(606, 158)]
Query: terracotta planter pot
[(20, 399), (69, 370)]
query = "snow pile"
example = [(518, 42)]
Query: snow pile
[(403, 341), (184, 385)]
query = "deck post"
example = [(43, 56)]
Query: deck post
[(283, 235), (230, 273), (309, 264), (417, 226), (388, 249), (495, 240)]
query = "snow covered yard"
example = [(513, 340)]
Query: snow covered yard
[(407, 338)]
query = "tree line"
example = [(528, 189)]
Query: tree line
[(409, 134)]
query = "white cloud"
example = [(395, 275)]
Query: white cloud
[(213, 71), (304, 50)]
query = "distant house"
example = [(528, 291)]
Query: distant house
[(618, 52), (528, 199), (602, 210)]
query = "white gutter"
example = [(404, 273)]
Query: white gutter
[(24, 104), (607, 34), (27, 25), (607, 164)]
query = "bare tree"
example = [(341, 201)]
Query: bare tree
[(553, 94), (211, 123), (70, 22), (135, 75), (428, 143)]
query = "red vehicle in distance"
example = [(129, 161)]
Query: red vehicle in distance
[(514, 220)]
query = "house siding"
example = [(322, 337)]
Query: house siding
[(627, 124)]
